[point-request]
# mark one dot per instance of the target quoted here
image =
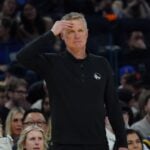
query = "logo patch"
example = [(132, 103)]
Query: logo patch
[(97, 76)]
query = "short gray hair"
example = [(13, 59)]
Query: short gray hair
[(75, 16)]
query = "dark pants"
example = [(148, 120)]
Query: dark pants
[(78, 147)]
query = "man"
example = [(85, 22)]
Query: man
[(79, 85), (35, 117)]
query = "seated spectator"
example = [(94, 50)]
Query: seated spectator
[(134, 140), (104, 9), (13, 126), (137, 9), (143, 125), (53, 8), (36, 93), (9, 9), (32, 137), (32, 24), (5, 142), (136, 40), (36, 117), (127, 114), (117, 7), (9, 42), (17, 94), (5, 30)]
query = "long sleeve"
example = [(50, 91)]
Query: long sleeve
[(114, 110), (32, 54)]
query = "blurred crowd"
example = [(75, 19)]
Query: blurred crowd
[(118, 30)]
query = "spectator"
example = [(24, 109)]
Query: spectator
[(9, 42), (13, 126), (32, 137), (17, 94), (9, 9), (32, 24), (36, 93), (5, 29), (136, 40), (53, 8), (117, 7), (104, 9), (36, 117), (137, 9), (135, 140)]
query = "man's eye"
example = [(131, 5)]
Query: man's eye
[(70, 31)]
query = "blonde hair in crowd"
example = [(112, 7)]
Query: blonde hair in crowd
[(9, 118), (24, 133)]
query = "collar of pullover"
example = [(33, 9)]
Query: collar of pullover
[(72, 58)]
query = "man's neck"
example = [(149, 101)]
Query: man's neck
[(78, 54)]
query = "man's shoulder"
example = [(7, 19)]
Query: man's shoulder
[(51, 55), (98, 58)]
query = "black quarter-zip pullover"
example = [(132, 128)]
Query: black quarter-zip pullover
[(78, 89)]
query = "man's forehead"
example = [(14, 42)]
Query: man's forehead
[(35, 116)]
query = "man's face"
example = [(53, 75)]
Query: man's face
[(35, 118), (76, 38), (34, 141), (20, 94), (9, 7)]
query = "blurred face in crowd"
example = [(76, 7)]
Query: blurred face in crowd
[(136, 40), (34, 140), (9, 7), (16, 124), (46, 105), (20, 94), (76, 38), (35, 118), (134, 142), (29, 12)]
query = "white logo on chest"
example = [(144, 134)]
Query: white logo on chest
[(97, 76)]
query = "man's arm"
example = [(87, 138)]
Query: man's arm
[(114, 110), (32, 54)]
